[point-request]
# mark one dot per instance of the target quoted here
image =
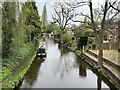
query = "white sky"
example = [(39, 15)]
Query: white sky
[(50, 4)]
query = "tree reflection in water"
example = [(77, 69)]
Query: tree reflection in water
[(82, 68), (99, 83), (63, 64), (66, 61), (32, 73)]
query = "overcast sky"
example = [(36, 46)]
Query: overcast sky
[(50, 5)]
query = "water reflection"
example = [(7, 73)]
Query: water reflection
[(61, 69), (64, 49), (65, 63), (101, 80), (82, 68), (64, 55), (99, 83), (32, 73)]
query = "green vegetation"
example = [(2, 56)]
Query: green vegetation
[(78, 52), (21, 27), (54, 28), (20, 30), (8, 23), (89, 32), (66, 39), (78, 31), (17, 77), (106, 33), (82, 42), (14, 60), (44, 18), (4, 73)]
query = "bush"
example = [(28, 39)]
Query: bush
[(65, 39), (5, 73), (91, 40), (89, 33), (82, 42), (106, 33), (18, 76), (16, 57)]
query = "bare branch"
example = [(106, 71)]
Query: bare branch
[(87, 23), (114, 7), (104, 15), (113, 16), (58, 14), (55, 20), (78, 4), (86, 16), (97, 14), (64, 13)]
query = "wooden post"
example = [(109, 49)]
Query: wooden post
[(110, 45), (83, 49)]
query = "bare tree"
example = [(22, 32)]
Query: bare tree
[(99, 36), (101, 15), (63, 14), (117, 8), (119, 32)]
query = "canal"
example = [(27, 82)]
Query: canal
[(61, 69)]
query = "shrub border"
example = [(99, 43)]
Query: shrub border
[(19, 75)]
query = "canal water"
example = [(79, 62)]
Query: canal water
[(61, 69)]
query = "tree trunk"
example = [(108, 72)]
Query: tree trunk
[(100, 56), (119, 34), (119, 41)]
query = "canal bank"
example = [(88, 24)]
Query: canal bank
[(19, 71), (110, 68), (110, 74), (62, 69), (108, 57)]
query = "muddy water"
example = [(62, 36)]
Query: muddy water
[(61, 69)]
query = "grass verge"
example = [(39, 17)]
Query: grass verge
[(8, 64), (19, 74)]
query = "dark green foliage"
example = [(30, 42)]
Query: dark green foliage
[(20, 28), (18, 76), (8, 23), (82, 42), (32, 19), (18, 56), (44, 18), (91, 40)]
